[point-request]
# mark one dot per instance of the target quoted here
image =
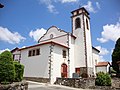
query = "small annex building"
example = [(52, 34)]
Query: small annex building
[(59, 53), (103, 67)]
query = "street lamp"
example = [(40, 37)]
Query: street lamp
[(1, 6)]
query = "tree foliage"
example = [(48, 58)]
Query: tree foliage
[(116, 56), (19, 69), (7, 69), (10, 71)]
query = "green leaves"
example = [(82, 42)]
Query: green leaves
[(19, 69), (103, 79), (6, 55), (116, 56), (10, 71)]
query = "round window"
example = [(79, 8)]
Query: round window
[(51, 36)]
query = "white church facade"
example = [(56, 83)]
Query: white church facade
[(59, 53)]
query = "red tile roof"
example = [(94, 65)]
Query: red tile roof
[(102, 64)]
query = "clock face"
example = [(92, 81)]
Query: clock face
[(51, 36)]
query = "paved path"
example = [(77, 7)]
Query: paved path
[(44, 86)]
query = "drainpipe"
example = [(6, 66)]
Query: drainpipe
[(50, 63), (85, 44), (68, 54)]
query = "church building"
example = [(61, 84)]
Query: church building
[(59, 53)]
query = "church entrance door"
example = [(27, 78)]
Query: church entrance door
[(64, 70)]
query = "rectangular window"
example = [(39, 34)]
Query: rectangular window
[(37, 51), (34, 52), (29, 53), (64, 54)]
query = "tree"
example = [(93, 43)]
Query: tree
[(116, 56)]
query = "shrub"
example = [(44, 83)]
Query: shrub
[(6, 56), (19, 69), (7, 69), (103, 79)]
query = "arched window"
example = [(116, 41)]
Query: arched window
[(77, 23), (87, 24)]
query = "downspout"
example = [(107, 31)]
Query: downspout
[(50, 63), (68, 56), (85, 44)]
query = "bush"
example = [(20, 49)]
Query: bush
[(103, 79), (6, 56), (19, 69), (7, 71)]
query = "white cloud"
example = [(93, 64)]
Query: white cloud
[(110, 32), (103, 51), (4, 50), (98, 5), (102, 59), (51, 7), (37, 34), (12, 38), (89, 7), (68, 1)]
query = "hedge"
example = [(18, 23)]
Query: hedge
[(19, 69), (6, 56), (7, 72), (10, 71)]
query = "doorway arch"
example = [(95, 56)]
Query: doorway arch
[(64, 70)]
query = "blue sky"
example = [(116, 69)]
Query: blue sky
[(22, 22)]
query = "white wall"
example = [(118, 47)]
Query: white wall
[(57, 61), (104, 69), (95, 59), (36, 66), (101, 69), (79, 47), (16, 55), (71, 56), (88, 43), (56, 33)]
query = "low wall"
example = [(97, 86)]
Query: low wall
[(15, 86), (116, 82), (37, 79), (76, 82), (87, 83)]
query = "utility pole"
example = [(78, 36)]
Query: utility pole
[(1, 6)]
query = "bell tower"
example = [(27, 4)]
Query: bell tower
[(83, 48)]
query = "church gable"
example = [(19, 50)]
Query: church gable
[(52, 32)]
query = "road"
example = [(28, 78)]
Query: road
[(42, 86)]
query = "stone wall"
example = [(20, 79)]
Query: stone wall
[(116, 82), (87, 83), (76, 82), (15, 86), (83, 70), (37, 79)]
